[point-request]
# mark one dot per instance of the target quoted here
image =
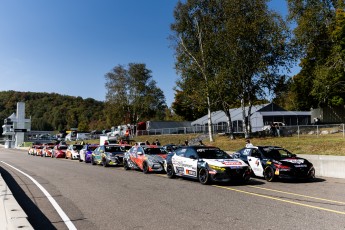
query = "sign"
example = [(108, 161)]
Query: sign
[(20, 130)]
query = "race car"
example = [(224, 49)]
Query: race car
[(72, 151), (59, 151), (108, 155), (48, 149), (34, 146), (207, 164), (147, 158), (272, 162), (86, 152)]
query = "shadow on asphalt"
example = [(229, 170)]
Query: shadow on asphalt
[(36, 218)]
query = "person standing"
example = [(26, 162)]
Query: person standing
[(157, 142)]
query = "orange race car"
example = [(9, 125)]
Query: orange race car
[(148, 158)]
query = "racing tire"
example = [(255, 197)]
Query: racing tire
[(204, 176), (92, 162), (104, 163), (170, 171), (125, 165), (269, 174), (145, 168)]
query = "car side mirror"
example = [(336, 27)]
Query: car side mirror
[(101, 151)]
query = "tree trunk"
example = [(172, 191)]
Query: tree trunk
[(229, 122), (209, 119)]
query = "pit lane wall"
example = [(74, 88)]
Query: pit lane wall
[(327, 166), (12, 215)]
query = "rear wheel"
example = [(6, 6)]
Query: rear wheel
[(204, 176), (269, 174), (170, 171), (145, 168), (105, 164)]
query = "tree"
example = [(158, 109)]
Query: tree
[(229, 53), (318, 36), (132, 95)]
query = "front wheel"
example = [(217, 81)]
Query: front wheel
[(204, 176), (269, 174), (92, 161), (145, 168), (125, 164), (170, 171)]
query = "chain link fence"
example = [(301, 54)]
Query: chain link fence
[(284, 131)]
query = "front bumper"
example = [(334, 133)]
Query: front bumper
[(297, 173), (230, 174)]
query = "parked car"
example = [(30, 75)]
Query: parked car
[(207, 164), (272, 162), (109, 155), (72, 151), (148, 158), (59, 151), (86, 152), (170, 147)]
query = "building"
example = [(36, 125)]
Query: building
[(15, 127), (260, 116)]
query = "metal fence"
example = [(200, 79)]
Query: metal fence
[(312, 130)]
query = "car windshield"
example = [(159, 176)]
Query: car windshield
[(114, 149), (92, 148), (77, 147), (212, 153), (276, 153), (154, 151)]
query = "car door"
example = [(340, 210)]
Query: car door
[(178, 161), (190, 162), (255, 162), (139, 160)]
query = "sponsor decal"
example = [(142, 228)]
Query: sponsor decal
[(294, 161), (217, 168), (232, 162), (300, 166), (276, 172), (179, 170), (190, 172)]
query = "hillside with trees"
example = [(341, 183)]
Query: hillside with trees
[(52, 111)]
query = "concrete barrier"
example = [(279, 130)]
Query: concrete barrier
[(12, 215), (327, 166)]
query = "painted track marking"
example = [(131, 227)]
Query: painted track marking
[(279, 199), (296, 194), (57, 207)]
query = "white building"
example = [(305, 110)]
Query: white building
[(15, 126), (260, 116)]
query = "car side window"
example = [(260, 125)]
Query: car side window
[(255, 153), (190, 153), (181, 152)]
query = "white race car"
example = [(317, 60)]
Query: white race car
[(207, 164)]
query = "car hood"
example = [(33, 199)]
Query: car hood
[(226, 162), (294, 161), (158, 158)]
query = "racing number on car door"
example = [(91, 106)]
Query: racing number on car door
[(255, 163)]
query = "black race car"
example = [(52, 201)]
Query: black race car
[(272, 162)]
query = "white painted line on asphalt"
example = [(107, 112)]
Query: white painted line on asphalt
[(57, 207)]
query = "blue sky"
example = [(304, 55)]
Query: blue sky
[(67, 46)]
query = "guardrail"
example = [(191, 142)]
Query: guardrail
[(12, 215)]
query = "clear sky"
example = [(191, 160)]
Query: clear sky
[(67, 46)]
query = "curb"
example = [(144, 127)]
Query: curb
[(12, 215)]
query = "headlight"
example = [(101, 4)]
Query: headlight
[(217, 168)]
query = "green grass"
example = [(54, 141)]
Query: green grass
[(330, 144)]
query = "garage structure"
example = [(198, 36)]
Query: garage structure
[(261, 115)]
